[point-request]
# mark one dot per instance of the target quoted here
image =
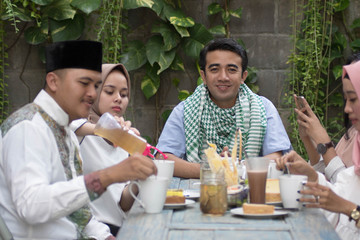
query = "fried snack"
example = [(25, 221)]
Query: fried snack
[(174, 196), (217, 163), (250, 208)]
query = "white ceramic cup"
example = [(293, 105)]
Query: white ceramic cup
[(152, 193), (165, 168), (289, 187), (273, 173)]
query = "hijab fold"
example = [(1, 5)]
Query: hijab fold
[(353, 71)]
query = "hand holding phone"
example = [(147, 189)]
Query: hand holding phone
[(301, 101)]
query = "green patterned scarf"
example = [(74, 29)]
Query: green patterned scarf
[(82, 216), (206, 122)]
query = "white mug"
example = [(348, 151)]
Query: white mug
[(152, 193), (165, 168), (289, 186)]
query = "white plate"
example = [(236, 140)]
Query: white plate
[(274, 203), (179, 205), (239, 212), (191, 194)]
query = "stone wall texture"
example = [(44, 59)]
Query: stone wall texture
[(265, 28)]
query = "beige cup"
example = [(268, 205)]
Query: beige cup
[(289, 186), (165, 168), (152, 193)]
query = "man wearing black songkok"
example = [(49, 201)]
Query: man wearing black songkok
[(43, 194)]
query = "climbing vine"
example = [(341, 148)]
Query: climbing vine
[(316, 62)]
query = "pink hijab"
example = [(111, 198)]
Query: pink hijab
[(95, 114), (353, 71)]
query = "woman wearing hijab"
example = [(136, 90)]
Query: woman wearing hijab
[(98, 153), (341, 199)]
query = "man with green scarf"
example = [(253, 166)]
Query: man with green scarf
[(217, 108)]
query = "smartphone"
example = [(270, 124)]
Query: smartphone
[(301, 101)]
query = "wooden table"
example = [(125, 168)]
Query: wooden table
[(190, 224)]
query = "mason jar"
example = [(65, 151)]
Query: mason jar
[(213, 191)]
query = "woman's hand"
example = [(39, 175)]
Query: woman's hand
[(296, 165), (326, 199), (309, 124)]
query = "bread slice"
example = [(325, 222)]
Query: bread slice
[(251, 208), (174, 196), (272, 191)]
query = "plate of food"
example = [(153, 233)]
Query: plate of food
[(179, 205), (258, 211)]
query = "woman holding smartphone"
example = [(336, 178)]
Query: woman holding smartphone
[(323, 155), (341, 200)]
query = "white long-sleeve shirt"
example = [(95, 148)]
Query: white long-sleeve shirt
[(98, 154), (347, 186), (35, 196)]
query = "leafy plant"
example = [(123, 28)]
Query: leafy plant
[(51, 20), (316, 64)]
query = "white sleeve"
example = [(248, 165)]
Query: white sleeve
[(76, 124), (96, 230), (35, 175), (335, 166)]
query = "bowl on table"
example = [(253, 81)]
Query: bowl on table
[(237, 195)]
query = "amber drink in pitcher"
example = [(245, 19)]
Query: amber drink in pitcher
[(213, 192)]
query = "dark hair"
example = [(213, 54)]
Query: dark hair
[(226, 44), (353, 58)]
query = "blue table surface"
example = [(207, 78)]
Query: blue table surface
[(189, 223)]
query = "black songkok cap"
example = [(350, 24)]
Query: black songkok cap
[(74, 54)]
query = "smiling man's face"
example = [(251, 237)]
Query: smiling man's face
[(223, 75)]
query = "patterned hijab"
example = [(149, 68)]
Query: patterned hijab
[(106, 70), (205, 122), (353, 71)]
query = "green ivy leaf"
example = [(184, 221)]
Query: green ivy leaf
[(166, 58), (214, 8), (183, 94), (151, 72), (182, 31), (18, 13), (337, 71), (339, 40), (153, 49), (225, 17), (218, 30), (87, 6), (70, 29), (199, 81), (175, 82), (179, 19), (236, 13), (135, 56), (42, 2), (158, 7), (170, 37), (177, 64), (355, 24), (34, 35), (149, 87), (355, 45), (60, 10), (192, 47), (165, 115), (341, 5), (132, 4), (200, 33)]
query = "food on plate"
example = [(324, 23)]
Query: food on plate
[(251, 208), (237, 195), (272, 191), (174, 196)]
